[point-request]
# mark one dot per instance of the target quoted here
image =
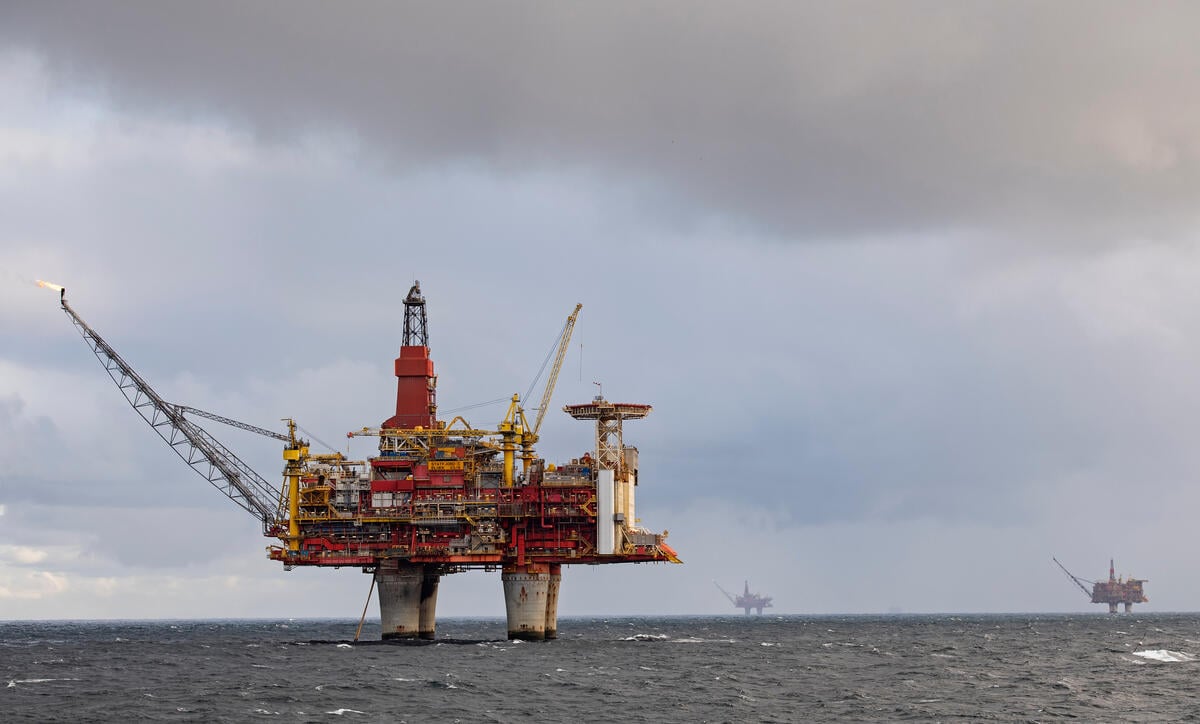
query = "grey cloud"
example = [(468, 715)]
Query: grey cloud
[(807, 120)]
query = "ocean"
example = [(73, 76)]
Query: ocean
[(1091, 667)]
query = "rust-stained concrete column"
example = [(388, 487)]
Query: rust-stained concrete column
[(400, 587), (552, 601), (525, 592), (427, 623)]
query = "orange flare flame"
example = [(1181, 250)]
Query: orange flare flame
[(48, 285)]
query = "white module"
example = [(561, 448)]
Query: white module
[(606, 531)]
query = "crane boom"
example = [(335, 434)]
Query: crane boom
[(235, 423), (558, 361), (1078, 581), (192, 443), (727, 593)]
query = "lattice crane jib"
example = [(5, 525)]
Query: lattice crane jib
[(1078, 581), (558, 363), (193, 444), (727, 593)]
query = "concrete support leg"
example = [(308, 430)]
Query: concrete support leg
[(525, 592), (1129, 608), (427, 624), (1112, 608), (400, 587), (552, 601)]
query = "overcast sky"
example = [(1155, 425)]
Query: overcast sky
[(912, 287)]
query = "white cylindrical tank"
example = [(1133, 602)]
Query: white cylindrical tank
[(630, 496), (606, 534)]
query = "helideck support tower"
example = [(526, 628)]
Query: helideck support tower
[(438, 498), (617, 468)]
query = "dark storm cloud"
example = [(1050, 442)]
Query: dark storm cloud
[(809, 120)]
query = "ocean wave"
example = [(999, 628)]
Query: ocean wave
[(1165, 655), (646, 637), (12, 683)]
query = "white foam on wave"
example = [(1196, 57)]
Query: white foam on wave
[(1165, 655), (768, 643), (646, 637), (344, 646), (12, 683), (339, 712), (694, 640)]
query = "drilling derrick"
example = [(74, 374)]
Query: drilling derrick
[(438, 498), (416, 385)]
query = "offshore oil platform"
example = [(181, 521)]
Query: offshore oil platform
[(1113, 591), (747, 600), (439, 498)]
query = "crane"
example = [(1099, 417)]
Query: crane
[(196, 446), (1078, 581), (558, 361), (515, 429), (234, 423), (727, 593)]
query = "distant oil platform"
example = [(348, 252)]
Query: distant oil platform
[(747, 600), (1113, 591)]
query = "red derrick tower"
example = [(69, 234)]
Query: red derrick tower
[(416, 384)]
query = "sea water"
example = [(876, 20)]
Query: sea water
[(1092, 667)]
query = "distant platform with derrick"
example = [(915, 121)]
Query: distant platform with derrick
[(747, 601), (1116, 591)]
